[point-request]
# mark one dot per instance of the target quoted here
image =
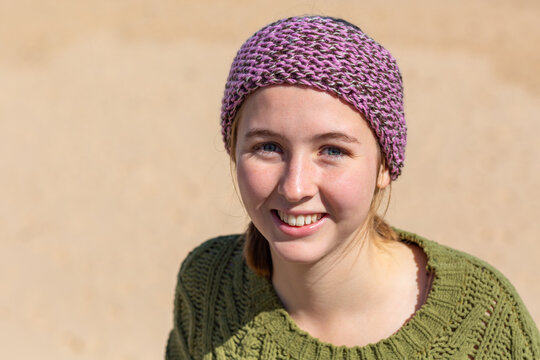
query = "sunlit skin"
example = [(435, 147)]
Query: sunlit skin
[(302, 151)]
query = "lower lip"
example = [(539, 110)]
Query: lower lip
[(297, 231)]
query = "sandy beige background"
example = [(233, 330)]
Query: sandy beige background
[(112, 166)]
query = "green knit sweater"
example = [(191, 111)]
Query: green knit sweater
[(224, 311)]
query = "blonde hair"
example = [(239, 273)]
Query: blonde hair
[(256, 248)]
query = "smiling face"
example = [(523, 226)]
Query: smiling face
[(307, 167)]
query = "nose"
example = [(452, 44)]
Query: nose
[(298, 180)]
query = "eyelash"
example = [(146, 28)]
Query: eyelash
[(263, 148), (333, 148)]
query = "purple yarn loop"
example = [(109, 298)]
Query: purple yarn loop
[(330, 55)]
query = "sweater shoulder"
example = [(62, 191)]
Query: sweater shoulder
[(203, 257), (482, 293), (208, 265), (443, 258), (490, 288), (208, 284)]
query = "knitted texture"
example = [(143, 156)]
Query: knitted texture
[(224, 311), (330, 55)]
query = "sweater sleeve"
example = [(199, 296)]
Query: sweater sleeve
[(508, 328), (195, 297), (184, 316), (525, 337)]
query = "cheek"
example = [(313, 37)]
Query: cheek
[(255, 182), (351, 192)]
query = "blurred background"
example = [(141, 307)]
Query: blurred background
[(112, 166)]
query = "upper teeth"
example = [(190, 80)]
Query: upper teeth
[(299, 220)]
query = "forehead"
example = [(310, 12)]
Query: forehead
[(300, 111)]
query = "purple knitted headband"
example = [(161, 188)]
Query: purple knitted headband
[(331, 55)]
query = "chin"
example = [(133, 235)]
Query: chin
[(298, 251)]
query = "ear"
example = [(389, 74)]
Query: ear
[(383, 180)]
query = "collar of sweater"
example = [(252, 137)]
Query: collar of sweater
[(411, 338)]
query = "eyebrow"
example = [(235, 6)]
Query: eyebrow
[(262, 133), (334, 135)]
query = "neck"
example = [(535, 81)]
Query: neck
[(351, 280), (364, 294)]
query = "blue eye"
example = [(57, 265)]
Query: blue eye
[(332, 151), (268, 148)]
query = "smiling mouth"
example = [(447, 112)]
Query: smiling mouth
[(298, 220)]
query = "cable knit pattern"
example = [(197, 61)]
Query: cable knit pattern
[(330, 55), (224, 311)]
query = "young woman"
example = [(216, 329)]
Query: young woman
[(313, 120)]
